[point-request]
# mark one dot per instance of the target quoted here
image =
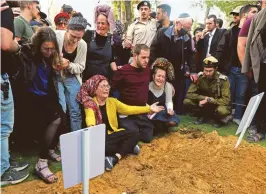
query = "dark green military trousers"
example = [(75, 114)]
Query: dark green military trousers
[(208, 110)]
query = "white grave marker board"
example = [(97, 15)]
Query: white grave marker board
[(71, 149), (248, 116)]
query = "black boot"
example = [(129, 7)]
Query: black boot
[(200, 120)]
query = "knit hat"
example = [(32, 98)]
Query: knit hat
[(78, 21)]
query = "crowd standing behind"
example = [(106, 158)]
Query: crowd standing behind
[(136, 81)]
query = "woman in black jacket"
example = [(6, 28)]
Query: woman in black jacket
[(44, 113)]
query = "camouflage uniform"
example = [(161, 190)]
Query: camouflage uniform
[(218, 89)]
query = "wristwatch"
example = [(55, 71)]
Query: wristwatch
[(209, 99)]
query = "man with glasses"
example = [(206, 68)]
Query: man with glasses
[(29, 11), (61, 21)]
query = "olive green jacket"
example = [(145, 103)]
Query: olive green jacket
[(218, 88)]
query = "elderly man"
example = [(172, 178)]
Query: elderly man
[(210, 97), (143, 29), (175, 44)]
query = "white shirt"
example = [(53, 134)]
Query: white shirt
[(211, 34)]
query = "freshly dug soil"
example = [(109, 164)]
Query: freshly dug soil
[(183, 162)]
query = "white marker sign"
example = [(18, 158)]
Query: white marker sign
[(81, 158), (251, 109)]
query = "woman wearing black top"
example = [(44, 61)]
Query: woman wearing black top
[(99, 51)]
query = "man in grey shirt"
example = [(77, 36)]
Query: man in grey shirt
[(29, 11)]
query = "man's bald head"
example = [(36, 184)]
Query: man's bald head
[(186, 21)]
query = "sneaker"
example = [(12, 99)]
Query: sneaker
[(110, 162), (236, 121), (18, 166), (136, 150), (11, 176), (252, 130)]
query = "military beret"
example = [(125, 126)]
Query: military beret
[(210, 62), (144, 3)]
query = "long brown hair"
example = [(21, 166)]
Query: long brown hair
[(46, 34)]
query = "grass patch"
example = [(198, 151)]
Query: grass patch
[(31, 156)]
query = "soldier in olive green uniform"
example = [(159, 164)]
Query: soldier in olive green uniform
[(210, 97)]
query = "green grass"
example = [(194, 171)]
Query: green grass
[(186, 122)]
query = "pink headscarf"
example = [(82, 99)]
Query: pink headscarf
[(86, 94), (107, 11)]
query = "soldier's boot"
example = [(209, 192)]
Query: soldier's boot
[(217, 123), (227, 119), (199, 121)]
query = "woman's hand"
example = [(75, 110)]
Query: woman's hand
[(154, 108), (65, 63), (113, 66), (170, 112)]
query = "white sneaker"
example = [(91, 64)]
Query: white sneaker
[(236, 121)]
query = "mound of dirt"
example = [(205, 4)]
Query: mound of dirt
[(192, 162)]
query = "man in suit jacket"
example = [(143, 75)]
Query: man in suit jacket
[(211, 36)]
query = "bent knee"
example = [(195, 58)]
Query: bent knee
[(223, 111)]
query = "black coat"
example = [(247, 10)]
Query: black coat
[(202, 45), (224, 52), (162, 47)]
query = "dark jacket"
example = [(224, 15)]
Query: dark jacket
[(161, 47), (202, 45), (29, 62), (255, 51), (225, 50)]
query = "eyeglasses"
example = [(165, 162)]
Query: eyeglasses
[(48, 49), (62, 23), (104, 87)]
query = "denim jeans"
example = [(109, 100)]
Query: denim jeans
[(238, 87), (68, 88), (7, 122)]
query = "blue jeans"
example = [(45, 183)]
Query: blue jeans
[(7, 122), (68, 88), (238, 87)]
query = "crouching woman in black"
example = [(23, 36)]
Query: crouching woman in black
[(41, 104)]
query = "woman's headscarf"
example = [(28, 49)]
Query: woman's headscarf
[(107, 11), (164, 64), (86, 94)]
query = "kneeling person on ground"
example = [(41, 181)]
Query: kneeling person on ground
[(210, 97)]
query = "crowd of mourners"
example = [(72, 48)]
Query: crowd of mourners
[(136, 81)]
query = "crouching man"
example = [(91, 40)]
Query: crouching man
[(210, 96)]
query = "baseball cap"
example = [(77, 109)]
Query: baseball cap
[(236, 10)]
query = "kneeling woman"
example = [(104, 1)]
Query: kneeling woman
[(40, 99), (162, 91), (99, 108)]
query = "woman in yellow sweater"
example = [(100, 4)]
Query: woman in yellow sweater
[(100, 108)]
